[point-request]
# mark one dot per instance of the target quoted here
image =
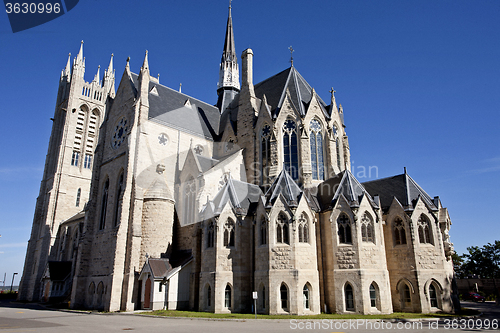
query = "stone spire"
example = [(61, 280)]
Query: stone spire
[(98, 74), (229, 78), (67, 70), (79, 63), (109, 78)]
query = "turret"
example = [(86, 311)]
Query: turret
[(109, 79)]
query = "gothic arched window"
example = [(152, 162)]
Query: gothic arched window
[(367, 231), (349, 297), (284, 296), (303, 229), (189, 201), (104, 204), (337, 147), (344, 229), (229, 233), (265, 153), (118, 202), (424, 230), (210, 234), (78, 194), (282, 234), (433, 296), (399, 231), (316, 143), (263, 232), (290, 150), (305, 294), (227, 297)]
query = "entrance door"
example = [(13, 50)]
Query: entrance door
[(147, 295)]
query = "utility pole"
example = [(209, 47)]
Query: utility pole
[(12, 284)]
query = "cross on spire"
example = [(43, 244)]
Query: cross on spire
[(291, 54)]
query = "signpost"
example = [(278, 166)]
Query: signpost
[(255, 296)]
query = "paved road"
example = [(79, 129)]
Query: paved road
[(32, 318)]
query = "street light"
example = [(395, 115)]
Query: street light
[(13, 275)]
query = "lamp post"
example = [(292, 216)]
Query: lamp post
[(12, 284)]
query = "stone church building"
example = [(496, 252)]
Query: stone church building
[(151, 198)]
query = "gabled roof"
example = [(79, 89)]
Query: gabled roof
[(286, 186), (403, 187), (242, 196), (180, 111), (275, 88), (346, 185), (159, 267)]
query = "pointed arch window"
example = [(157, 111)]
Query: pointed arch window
[(75, 157), (290, 149), (373, 296), (344, 229), (118, 202), (424, 230), (305, 295), (229, 233), (263, 232), (433, 296), (367, 231), (104, 205), (303, 229), (265, 153), (210, 234), (337, 148), (399, 231), (189, 201), (406, 296), (349, 297), (78, 195), (282, 233), (209, 296), (227, 297), (284, 296), (316, 144)]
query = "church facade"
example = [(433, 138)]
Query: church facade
[(154, 199)]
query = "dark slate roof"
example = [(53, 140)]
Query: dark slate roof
[(159, 267), (206, 163), (286, 186), (343, 184), (276, 86), (169, 108), (59, 270), (402, 187), (242, 196)]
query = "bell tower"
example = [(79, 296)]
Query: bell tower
[(65, 186)]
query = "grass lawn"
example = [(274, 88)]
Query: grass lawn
[(244, 316)]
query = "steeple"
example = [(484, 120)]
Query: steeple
[(229, 77), (67, 70), (98, 74)]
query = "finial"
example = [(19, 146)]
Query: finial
[(180, 87), (291, 54), (128, 59), (230, 3), (405, 170), (158, 77)]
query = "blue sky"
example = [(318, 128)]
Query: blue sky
[(419, 82)]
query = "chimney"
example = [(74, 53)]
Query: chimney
[(247, 70)]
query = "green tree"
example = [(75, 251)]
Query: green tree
[(483, 261)]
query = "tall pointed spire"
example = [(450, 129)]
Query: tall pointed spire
[(145, 64), (229, 76), (98, 74), (229, 53), (67, 70), (79, 57), (79, 63)]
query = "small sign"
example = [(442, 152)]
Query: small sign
[(255, 295)]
